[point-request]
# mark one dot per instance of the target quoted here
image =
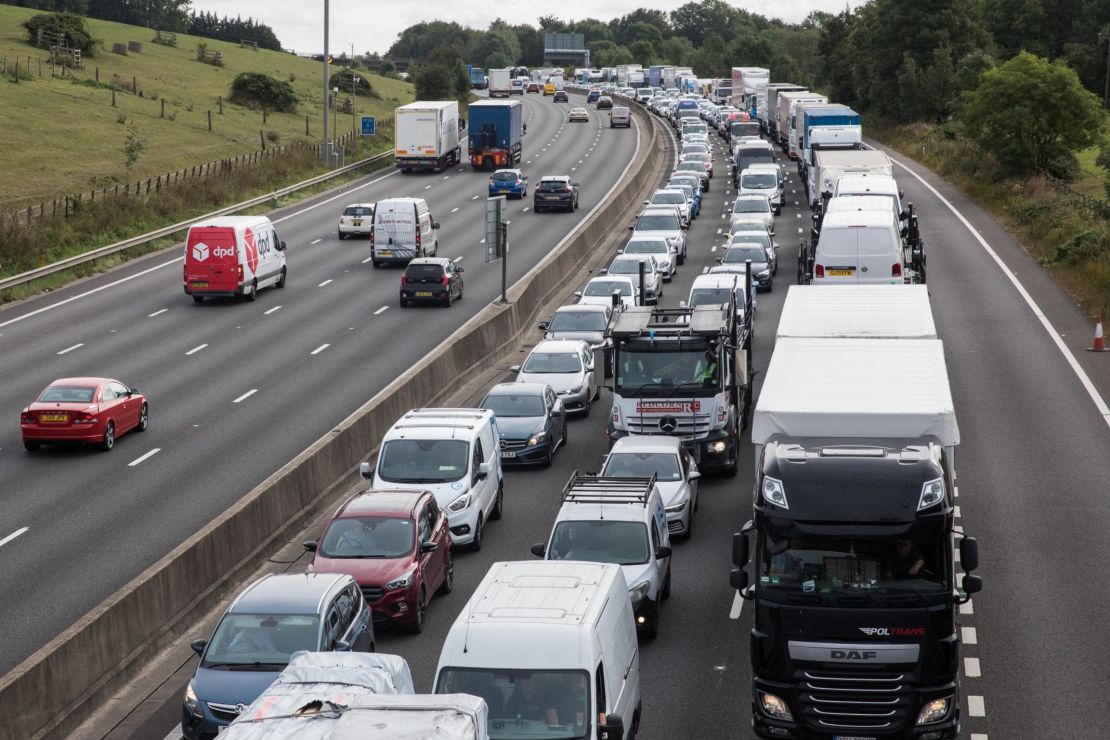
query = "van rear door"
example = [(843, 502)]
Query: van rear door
[(837, 257), (212, 260), (395, 229), (880, 256)]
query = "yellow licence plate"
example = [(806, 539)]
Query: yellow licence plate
[(841, 273), (423, 294), (54, 417), (385, 253), (202, 284)]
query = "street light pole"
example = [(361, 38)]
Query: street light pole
[(1106, 89), (354, 88), (335, 97), (325, 149)]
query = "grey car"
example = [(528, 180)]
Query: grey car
[(737, 255), (531, 422), (568, 367), (581, 321), (629, 264)]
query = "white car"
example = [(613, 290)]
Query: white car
[(356, 219), (567, 365), (673, 197), (664, 255), (766, 180), (712, 289), (629, 264), (754, 207), (676, 474), (665, 222)]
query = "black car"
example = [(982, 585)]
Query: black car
[(530, 420), (431, 280), (604, 102), (555, 191), (560, 97)]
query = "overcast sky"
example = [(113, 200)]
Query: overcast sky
[(374, 26)]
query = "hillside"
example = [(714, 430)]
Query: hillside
[(62, 135)]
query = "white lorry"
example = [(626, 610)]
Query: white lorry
[(500, 83), (745, 84), (829, 165), (426, 136), (788, 109), (856, 312)]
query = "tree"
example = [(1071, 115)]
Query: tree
[(1029, 112), (433, 82), (696, 20), (133, 147), (1017, 25), (72, 27), (644, 52), (971, 67)]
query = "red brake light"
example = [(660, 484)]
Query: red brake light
[(443, 281), (418, 235), (239, 269), (403, 280), (896, 269), (819, 271), (27, 417)]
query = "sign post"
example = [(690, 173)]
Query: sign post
[(369, 126), (497, 238)]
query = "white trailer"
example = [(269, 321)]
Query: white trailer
[(784, 119), (857, 312), (745, 84), (829, 165), (500, 83), (426, 135)]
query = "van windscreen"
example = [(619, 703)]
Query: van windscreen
[(423, 460)]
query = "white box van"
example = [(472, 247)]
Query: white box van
[(233, 256), (403, 228), (551, 648), (863, 247), (455, 454)]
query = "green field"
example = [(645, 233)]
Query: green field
[(60, 136), (1093, 178)]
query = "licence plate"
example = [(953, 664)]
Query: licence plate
[(54, 417), (423, 294), (357, 222), (385, 253), (853, 737), (201, 284), (842, 273), (551, 197), (507, 455)]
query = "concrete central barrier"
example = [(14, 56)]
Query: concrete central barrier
[(52, 692)]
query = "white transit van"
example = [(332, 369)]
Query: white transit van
[(872, 186), (233, 257), (859, 247), (455, 454), (551, 648), (403, 228)]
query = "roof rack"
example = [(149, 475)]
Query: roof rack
[(600, 489), (645, 321)]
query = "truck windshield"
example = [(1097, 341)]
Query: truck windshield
[(525, 703), (600, 541), (656, 372), (845, 570)]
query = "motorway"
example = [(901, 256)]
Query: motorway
[(1032, 472), (237, 389)]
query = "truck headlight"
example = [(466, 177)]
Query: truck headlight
[(774, 492), (536, 439), (932, 493), (460, 503), (402, 581), (775, 707), (934, 711), (191, 701)]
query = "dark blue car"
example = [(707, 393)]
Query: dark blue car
[(511, 183), (592, 96), (271, 619), (530, 420)]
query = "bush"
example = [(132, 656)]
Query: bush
[(264, 91), (344, 80), (69, 25), (272, 136)]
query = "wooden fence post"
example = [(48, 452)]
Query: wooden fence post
[(17, 71), (67, 197), (306, 125), (40, 66), (262, 138), (98, 75), (163, 108), (209, 120), (134, 85), (220, 103), (113, 97)]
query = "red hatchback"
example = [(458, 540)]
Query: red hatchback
[(397, 546), (91, 410)]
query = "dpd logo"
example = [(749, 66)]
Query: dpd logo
[(200, 251)]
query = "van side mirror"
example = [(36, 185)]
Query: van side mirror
[(365, 470), (514, 368), (738, 579), (613, 729), (198, 646), (539, 549), (969, 553), (281, 245), (663, 551), (542, 326), (435, 224), (310, 546), (694, 475), (483, 471)]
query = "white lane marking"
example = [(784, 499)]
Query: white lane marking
[(344, 194), (275, 308), (315, 241), (194, 350), (968, 636), (321, 285), (476, 197), (319, 349), (530, 162), (968, 608), (572, 169), (978, 736), (381, 310), (526, 208), (367, 260), (718, 232), (70, 349), (427, 187), (246, 395), (1080, 373), (13, 535), (141, 458), (711, 249), (446, 177), (737, 606), (482, 242), (456, 210), (457, 260), (971, 668), (580, 162), (956, 512), (724, 215), (799, 229), (795, 203), (704, 270), (798, 215), (156, 313), (975, 707)]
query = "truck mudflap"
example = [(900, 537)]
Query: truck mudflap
[(435, 164), (491, 159)]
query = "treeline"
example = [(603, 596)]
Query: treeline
[(164, 15)]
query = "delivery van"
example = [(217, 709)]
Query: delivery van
[(233, 257), (403, 228), (861, 247)]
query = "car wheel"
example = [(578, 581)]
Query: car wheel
[(564, 432), (31, 446), (448, 300), (576, 204), (666, 592), (342, 236), (448, 584), (144, 418), (253, 294), (404, 303), (108, 441), (689, 523), (417, 624), (499, 503), (549, 457), (476, 543), (770, 285), (281, 281), (651, 626), (198, 299)]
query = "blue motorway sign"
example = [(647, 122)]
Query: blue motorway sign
[(369, 125)]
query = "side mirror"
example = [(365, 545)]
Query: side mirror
[(632, 227), (613, 729), (577, 294), (969, 554), (514, 369), (435, 224), (972, 584), (460, 269), (198, 646), (429, 546), (365, 470), (740, 549), (539, 549), (132, 392), (310, 546), (695, 475), (682, 304), (901, 194), (663, 551), (342, 645), (904, 214), (483, 471), (603, 271), (719, 260), (738, 579), (281, 245), (542, 326)]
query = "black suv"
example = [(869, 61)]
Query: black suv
[(431, 280), (555, 191)]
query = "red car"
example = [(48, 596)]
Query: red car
[(90, 410), (534, 87), (397, 546)]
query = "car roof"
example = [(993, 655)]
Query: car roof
[(441, 261), (359, 205), (751, 196), (717, 280), (581, 308), (559, 345), (382, 502), (858, 218), (288, 593), (83, 380), (659, 209), (561, 178), (518, 389), (508, 169), (647, 443)]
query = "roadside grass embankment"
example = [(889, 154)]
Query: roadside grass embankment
[(1067, 236)]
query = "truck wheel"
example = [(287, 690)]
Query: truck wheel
[(281, 281), (254, 292)]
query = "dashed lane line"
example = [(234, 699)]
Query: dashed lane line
[(13, 535), (272, 310), (319, 349), (70, 349), (157, 313), (321, 285), (315, 241), (381, 310), (196, 349), (141, 458), (246, 395)]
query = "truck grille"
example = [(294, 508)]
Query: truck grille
[(685, 424), (857, 702)]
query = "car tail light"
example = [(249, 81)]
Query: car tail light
[(896, 269), (418, 236), (371, 237), (819, 270), (491, 182), (443, 281), (403, 281), (239, 270), (83, 417), (27, 417)]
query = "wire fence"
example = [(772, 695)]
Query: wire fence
[(1100, 208)]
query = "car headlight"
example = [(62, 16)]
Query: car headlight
[(402, 581), (460, 503), (675, 508), (191, 701), (774, 707), (774, 492), (575, 389), (934, 711), (535, 439), (638, 592), (763, 273)]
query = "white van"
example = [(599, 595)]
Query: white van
[(403, 228), (870, 185), (455, 454), (622, 521), (863, 247), (551, 648), (763, 179), (233, 257)]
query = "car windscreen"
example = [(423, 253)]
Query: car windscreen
[(759, 180), (629, 267), (261, 642), (423, 460), (759, 237), (697, 157), (606, 287), (424, 273), (541, 704), (690, 167), (552, 185), (514, 405), (552, 362), (663, 465), (752, 205), (742, 253), (67, 394), (577, 321), (368, 537), (654, 246), (604, 541), (358, 211), (661, 222), (505, 176), (668, 199)]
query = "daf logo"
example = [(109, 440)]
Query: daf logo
[(853, 654), (200, 251), (668, 424)]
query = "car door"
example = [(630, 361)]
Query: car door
[(441, 534), (587, 367), (109, 405), (480, 486), (430, 560), (129, 407), (556, 418)]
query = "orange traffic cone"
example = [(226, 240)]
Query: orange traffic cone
[(1100, 343)]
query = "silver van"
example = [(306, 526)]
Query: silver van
[(620, 116), (860, 247)]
